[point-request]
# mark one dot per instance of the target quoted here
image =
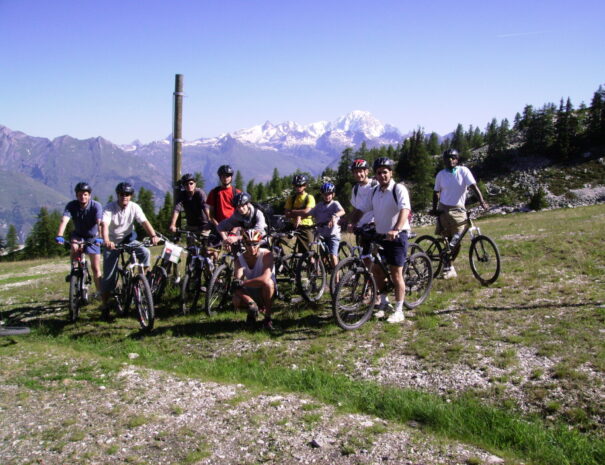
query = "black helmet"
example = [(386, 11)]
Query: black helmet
[(241, 198), (451, 153), (300, 180), (225, 170), (83, 187), (186, 178), (383, 162), (124, 188), (359, 163)]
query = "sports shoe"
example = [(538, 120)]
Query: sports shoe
[(450, 273), (267, 324), (252, 313), (379, 314), (397, 317)]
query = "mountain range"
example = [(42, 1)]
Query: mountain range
[(36, 171)]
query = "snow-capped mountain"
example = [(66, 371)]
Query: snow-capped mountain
[(287, 146)]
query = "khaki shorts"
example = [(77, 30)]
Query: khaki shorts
[(451, 221)]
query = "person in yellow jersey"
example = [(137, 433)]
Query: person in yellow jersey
[(297, 206)]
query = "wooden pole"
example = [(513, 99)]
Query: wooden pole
[(177, 134)]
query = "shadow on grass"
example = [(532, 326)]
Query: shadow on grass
[(498, 308)]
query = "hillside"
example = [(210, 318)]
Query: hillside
[(512, 373)]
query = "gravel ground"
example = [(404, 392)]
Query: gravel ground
[(145, 416)]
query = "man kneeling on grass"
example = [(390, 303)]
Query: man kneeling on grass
[(254, 279)]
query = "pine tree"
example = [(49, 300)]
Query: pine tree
[(239, 181), (145, 201), (421, 172), (164, 216), (41, 239), (11, 239), (200, 182), (459, 141), (275, 185), (596, 117), (250, 187), (433, 144)]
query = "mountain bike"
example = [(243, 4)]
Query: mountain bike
[(165, 264), (132, 284), (198, 270), (79, 279), (219, 285), (356, 291), (483, 254)]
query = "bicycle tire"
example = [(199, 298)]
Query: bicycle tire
[(418, 278), (339, 271), (86, 281), (191, 288), (218, 289), (354, 298), (122, 292), (158, 278), (286, 276), (14, 330), (484, 258), (311, 278), (74, 297), (433, 248), (143, 300)]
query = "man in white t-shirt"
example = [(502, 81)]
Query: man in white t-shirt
[(449, 198), (118, 228), (361, 201), (391, 209)]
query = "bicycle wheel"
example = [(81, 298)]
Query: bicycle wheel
[(432, 247), (86, 282), (311, 278), (484, 258), (218, 289), (418, 278), (158, 278), (122, 292), (340, 270), (191, 287), (143, 301), (74, 297), (413, 248), (354, 299)]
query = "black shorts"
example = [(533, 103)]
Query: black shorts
[(395, 251)]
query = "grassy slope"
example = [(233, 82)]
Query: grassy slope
[(547, 303)]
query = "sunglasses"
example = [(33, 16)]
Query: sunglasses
[(252, 244), (124, 194), (191, 182), (452, 157)]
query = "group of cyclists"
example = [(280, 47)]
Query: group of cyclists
[(232, 216)]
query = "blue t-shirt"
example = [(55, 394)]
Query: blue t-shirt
[(85, 219), (322, 213)]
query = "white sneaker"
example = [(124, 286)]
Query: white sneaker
[(450, 274), (397, 317), (379, 314)]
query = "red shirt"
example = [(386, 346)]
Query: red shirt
[(220, 199)]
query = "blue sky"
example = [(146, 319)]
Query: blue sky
[(106, 68)]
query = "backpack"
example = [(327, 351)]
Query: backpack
[(395, 198)]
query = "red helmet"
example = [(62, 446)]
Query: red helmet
[(252, 236)]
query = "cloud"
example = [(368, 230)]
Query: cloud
[(519, 34)]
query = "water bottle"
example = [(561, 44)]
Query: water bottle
[(455, 240)]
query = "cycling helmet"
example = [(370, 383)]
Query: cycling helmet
[(124, 188), (241, 198), (300, 180), (186, 178), (327, 188), (359, 163), (383, 162), (225, 170), (451, 153), (83, 187), (252, 236)]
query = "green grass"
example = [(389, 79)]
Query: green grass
[(548, 300)]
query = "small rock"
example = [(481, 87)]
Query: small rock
[(133, 355), (316, 443), (494, 459)]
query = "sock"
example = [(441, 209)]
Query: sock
[(399, 305)]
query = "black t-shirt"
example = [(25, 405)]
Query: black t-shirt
[(193, 207)]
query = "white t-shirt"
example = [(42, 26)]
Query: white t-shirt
[(120, 221), (453, 186), (386, 209), (363, 201)]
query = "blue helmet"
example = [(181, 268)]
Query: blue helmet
[(327, 188)]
